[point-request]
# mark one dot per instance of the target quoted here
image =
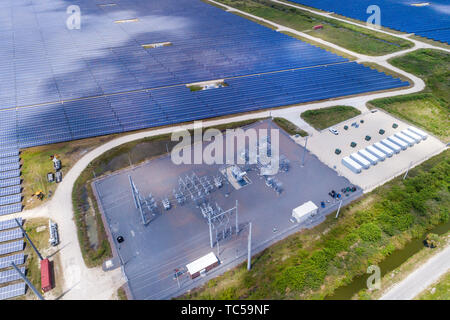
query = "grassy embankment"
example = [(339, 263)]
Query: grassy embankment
[(438, 291), (313, 263), (428, 109), (349, 36), (289, 127), (37, 163), (400, 273), (327, 117), (84, 201)]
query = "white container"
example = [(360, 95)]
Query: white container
[(402, 144), (357, 158), (391, 145), (419, 132), (368, 156), (377, 153), (405, 138), (412, 135), (352, 165), (387, 151)]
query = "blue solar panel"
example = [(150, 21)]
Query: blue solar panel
[(10, 209), (18, 259), (12, 234), (12, 291), (430, 21), (10, 247), (9, 224), (10, 275), (9, 182), (107, 58), (10, 199)]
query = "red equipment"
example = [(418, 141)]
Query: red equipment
[(46, 276)]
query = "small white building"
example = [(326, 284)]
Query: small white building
[(202, 265), (305, 211)]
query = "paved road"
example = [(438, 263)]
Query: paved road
[(92, 283), (421, 278)]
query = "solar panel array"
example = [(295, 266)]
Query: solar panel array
[(10, 183), (10, 275), (18, 259), (10, 247), (431, 21), (73, 84), (12, 234), (10, 224), (12, 291)]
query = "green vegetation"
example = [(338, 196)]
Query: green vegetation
[(430, 108), (196, 88), (84, 201), (326, 117), (37, 163), (311, 264), (349, 36), (289, 127), (121, 295), (439, 291)]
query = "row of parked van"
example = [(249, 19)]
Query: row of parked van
[(386, 148)]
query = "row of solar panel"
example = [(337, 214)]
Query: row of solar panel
[(91, 117), (10, 247), (12, 291), (18, 259), (9, 224), (430, 20), (12, 234), (10, 209), (10, 275)]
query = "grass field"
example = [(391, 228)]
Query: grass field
[(289, 127), (352, 37), (429, 109), (37, 163), (311, 264), (438, 291), (327, 117)]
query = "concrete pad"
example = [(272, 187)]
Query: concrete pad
[(324, 143)]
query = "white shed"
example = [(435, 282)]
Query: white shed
[(368, 156), (412, 135), (391, 145), (405, 138), (305, 211), (202, 264), (352, 165), (387, 151), (377, 153), (363, 162), (402, 144), (419, 132)]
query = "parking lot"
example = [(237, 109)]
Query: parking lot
[(324, 143), (178, 236)]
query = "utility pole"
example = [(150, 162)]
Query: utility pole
[(249, 248), (406, 174), (304, 151), (237, 222), (133, 191), (29, 240), (36, 292), (340, 204)]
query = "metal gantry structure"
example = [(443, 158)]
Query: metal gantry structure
[(143, 204)]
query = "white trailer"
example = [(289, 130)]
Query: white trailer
[(402, 144), (303, 212), (368, 156), (419, 132), (377, 153), (412, 135), (363, 162), (387, 151), (405, 138), (391, 145), (352, 165)]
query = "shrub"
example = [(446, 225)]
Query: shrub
[(369, 232)]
